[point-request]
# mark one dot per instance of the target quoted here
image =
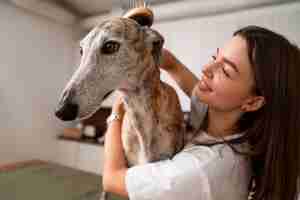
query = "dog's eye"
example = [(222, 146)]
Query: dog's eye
[(110, 47)]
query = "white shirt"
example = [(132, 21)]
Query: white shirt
[(198, 172)]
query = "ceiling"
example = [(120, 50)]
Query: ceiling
[(87, 8), (88, 13)]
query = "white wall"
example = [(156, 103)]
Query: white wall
[(194, 40), (36, 61)]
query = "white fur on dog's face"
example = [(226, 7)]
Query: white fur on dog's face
[(114, 54)]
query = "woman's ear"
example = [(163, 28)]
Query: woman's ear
[(253, 103)]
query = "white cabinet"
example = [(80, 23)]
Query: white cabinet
[(90, 158), (86, 157), (67, 153)]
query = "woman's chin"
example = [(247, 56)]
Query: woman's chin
[(201, 94), (201, 97)]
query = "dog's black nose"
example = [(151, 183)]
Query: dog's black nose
[(67, 110)]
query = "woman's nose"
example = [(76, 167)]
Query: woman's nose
[(208, 71)]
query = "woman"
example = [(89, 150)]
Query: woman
[(248, 97)]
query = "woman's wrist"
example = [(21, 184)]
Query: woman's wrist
[(118, 107), (113, 117)]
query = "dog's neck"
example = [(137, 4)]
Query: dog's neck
[(145, 85), (144, 100)]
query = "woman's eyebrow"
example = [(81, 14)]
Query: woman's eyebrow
[(232, 64)]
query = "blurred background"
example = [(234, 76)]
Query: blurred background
[(40, 51)]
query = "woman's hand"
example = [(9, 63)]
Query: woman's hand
[(118, 106), (115, 168)]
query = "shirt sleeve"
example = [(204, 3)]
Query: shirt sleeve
[(172, 179)]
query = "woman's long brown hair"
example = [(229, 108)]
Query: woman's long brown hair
[(274, 130)]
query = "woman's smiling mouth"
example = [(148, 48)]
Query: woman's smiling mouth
[(203, 86)]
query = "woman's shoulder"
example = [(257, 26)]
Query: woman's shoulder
[(222, 154), (209, 168)]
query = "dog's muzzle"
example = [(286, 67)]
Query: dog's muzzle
[(67, 110)]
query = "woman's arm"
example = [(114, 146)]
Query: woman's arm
[(179, 72), (115, 167)]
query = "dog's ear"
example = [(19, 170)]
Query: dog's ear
[(155, 41), (142, 15)]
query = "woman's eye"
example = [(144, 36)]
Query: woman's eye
[(110, 47), (222, 67), (224, 71)]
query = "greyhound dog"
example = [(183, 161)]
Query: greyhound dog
[(120, 54)]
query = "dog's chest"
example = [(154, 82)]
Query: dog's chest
[(149, 141), (152, 128), (137, 135)]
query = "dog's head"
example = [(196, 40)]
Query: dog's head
[(116, 51)]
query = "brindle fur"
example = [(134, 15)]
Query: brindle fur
[(153, 122)]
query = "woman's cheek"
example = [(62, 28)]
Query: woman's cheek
[(229, 96)]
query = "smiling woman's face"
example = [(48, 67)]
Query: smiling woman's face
[(228, 80)]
